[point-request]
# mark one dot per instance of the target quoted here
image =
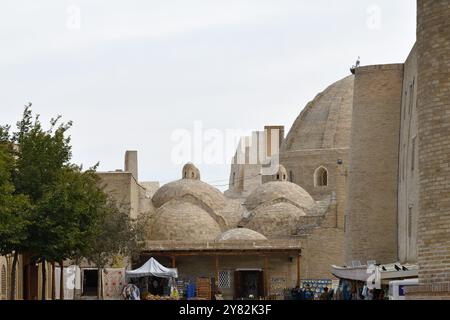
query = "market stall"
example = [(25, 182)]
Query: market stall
[(153, 270)]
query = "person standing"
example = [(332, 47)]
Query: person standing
[(324, 295), (308, 294)]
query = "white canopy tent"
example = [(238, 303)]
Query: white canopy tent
[(153, 268)]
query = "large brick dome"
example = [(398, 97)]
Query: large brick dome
[(326, 121)]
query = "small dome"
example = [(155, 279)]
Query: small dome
[(202, 192), (190, 171), (281, 174), (241, 234), (275, 220), (277, 191), (183, 221)]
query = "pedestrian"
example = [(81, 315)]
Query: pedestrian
[(131, 292), (331, 294), (370, 294), (308, 294), (295, 293), (324, 295)]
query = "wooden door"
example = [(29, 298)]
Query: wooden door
[(261, 284), (204, 288), (30, 282)]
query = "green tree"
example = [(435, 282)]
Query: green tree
[(53, 209), (14, 209), (41, 156), (67, 202), (70, 215)]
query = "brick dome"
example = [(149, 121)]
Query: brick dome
[(275, 208), (179, 220), (280, 191), (203, 192), (241, 234), (325, 122), (275, 220)]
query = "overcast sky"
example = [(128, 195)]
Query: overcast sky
[(131, 73)]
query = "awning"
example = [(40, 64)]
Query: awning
[(153, 268), (359, 273), (389, 273)]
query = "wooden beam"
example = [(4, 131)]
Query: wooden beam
[(174, 262), (169, 253), (266, 274), (217, 272), (298, 270)]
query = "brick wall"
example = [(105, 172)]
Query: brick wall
[(408, 175), (371, 214), (433, 107)]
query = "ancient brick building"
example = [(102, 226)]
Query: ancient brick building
[(398, 192), (433, 118)]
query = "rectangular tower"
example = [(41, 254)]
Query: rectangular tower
[(433, 113)]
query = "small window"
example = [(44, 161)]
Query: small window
[(234, 179), (321, 177), (224, 279), (291, 176), (278, 177), (413, 154)]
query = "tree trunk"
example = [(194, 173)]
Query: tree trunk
[(100, 285), (44, 279), (75, 280), (53, 281), (13, 276), (61, 281)]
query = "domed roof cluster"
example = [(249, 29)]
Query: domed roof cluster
[(275, 208), (190, 210)]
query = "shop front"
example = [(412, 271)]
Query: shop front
[(231, 271), (372, 282)]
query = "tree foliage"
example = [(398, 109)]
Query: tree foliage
[(119, 235), (70, 215), (50, 208), (14, 208)]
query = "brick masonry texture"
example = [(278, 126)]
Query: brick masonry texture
[(433, 107), (371, 221)]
